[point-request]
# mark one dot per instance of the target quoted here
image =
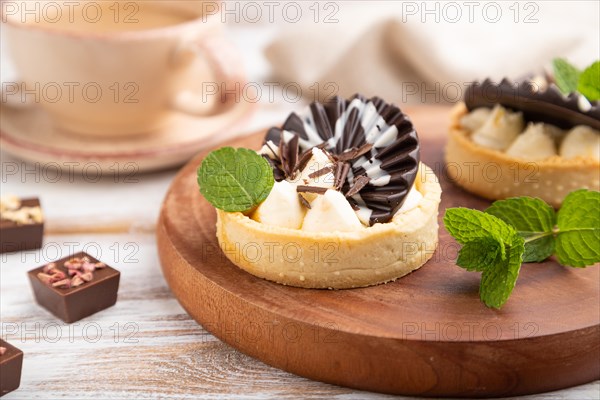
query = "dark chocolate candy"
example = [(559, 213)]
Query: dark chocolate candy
[(549, 105), (376, 139), (11, 363), (75, 303), (17, 237)]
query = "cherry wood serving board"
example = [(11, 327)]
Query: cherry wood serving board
[(425, 334)]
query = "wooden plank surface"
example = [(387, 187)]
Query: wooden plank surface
[(169, 356)]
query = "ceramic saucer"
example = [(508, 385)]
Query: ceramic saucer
[(28, 133)]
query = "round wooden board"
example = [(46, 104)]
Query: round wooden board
[(425, 334)]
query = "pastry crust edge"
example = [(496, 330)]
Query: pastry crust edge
[(336, 260)]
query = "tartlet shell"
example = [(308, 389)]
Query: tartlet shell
[(336, 260), (494, 175)]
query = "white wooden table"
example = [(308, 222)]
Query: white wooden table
[(146, 346)]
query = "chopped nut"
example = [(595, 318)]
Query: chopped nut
[(2, 351), (47, 279), (77, 281), (80, 271), (58, 275), (73, 263), (88, 266), (65, 284), (72, 272), (49, 267), (9, 203), (88, 276), (23, 215), (35, 214)]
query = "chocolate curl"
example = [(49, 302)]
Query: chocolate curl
[(341, 174), (303, 201), (355, 153), (359, 183), (311, 189), (321, 172)]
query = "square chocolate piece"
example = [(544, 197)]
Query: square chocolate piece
[(75, 287), (11, 363), (17, 231)]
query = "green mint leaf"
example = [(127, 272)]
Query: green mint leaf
[(498, 280), (578, 220), (589, 82), (235, 179), (490, 245), (565, 75), (466, 225), (479, 254), (534, 221)]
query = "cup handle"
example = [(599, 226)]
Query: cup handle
[(223, 59)]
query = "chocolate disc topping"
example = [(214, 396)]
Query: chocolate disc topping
[(547, 105), (374, 146)]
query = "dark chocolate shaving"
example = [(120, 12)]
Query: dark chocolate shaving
[(283, 154), (321, 121), (321, 172), (310, 189), (549, 106), (288, 153), (278, 173), (367, 137), (341, 174), (292, 154), (303, 201), (303, 160), (272, 151), (355, 153), (359, 183), (338, 174)]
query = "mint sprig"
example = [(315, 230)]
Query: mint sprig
[(491, 246), (565, 75), (533, 219), (578, 222), (498, 282), (478, 254), (235, 179), (589, 82), (570, 79), (524, 229)]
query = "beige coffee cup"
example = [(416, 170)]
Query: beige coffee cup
[(109, 68)]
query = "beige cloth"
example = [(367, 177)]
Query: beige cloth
[(375, 51)]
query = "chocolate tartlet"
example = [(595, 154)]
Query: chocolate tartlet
[(524, 139), (360, 209)]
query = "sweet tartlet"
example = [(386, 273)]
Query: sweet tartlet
[(526, 139), (351, 206)]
